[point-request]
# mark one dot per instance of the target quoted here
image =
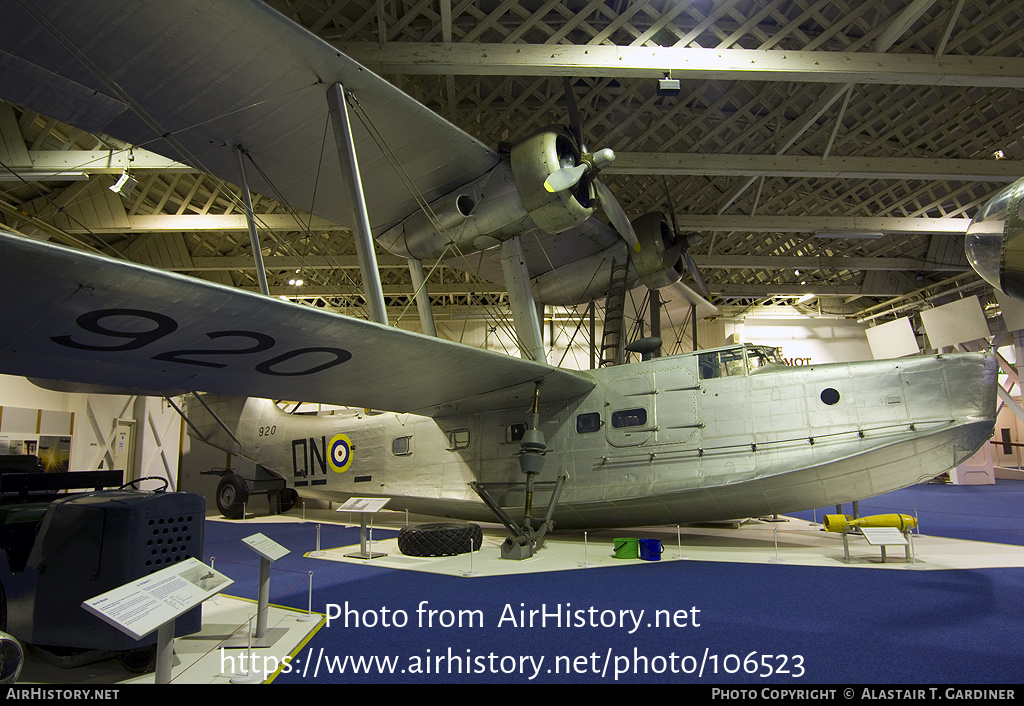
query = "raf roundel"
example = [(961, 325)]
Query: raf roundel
[(341, 453)]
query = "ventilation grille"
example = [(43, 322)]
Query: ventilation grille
[(169, 540)]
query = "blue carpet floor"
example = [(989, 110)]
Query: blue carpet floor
[(729, 623)]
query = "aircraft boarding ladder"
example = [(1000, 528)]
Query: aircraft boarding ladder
[(612, 344)]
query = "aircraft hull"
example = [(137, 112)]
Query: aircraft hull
[(693, 448)]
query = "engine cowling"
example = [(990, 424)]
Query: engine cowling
[(995, 241), (533, 161), (505, 202), (657, 262)]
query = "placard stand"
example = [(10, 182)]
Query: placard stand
[(154, 602), (269, 551), (364, 506)]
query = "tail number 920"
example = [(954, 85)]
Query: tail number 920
[(132, 329)]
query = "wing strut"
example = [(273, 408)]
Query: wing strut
[(250, 219), (372, 289), (419, 286), (524, 310)]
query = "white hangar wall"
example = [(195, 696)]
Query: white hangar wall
[(139, 435)]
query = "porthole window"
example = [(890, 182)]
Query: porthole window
[(458, 439), (514, 433), (588, 423), (401, 446), (629, 418), (830, 395)]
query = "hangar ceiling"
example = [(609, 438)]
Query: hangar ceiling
[(827, 152)]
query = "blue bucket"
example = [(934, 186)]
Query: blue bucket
[(650, 549)]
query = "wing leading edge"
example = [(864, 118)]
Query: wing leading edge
[(77, 317)]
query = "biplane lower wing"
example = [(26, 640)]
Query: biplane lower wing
[(77, 317)]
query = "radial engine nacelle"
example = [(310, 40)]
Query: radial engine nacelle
[(656, 264), (995, 241), (507, 201)]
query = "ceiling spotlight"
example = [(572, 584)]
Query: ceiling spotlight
[(668, 86), (998, 154), (125, 185)]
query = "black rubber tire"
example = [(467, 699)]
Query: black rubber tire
[(440, 539), (289, 499), (232, 494)]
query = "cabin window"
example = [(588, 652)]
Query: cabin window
[(514, 433), (629, 418), (830, 395), (458, 439), (402, 446), (588, 423)]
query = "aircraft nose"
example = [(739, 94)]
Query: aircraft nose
[(995, 241)]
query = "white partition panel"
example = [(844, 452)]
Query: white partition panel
[(956, 322), (893, 339)]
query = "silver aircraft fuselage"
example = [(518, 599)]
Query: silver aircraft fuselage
[(719, 434)]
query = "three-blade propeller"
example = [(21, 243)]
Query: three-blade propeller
[(683, 243), (584, 173)]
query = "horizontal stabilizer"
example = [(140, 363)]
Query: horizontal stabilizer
[(82, 318)]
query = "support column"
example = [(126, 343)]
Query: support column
[(419, 286), (693, 319), (372, 289), (656, 319), (593, 335), (250, 218), (524, 310)]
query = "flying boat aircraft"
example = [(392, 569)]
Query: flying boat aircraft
[(716, 434)]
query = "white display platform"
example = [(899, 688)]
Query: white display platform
[(198, 657)]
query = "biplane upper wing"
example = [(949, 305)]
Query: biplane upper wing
[(191, 79), (73, 316)]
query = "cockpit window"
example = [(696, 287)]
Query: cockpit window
[(720, 364), (759, 356), (727, 363)]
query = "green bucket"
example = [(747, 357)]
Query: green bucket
[(627, 548)]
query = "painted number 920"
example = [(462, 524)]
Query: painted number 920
[(126, 337)]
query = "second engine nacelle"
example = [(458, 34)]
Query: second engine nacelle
[(657, 262)]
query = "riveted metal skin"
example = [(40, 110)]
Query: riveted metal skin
[(721, 434)]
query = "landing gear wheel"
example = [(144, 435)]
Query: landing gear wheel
[(138, 661), (440, 539), (232, 494), (289, 499)]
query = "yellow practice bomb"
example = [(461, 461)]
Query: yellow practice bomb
[(839, 523)]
